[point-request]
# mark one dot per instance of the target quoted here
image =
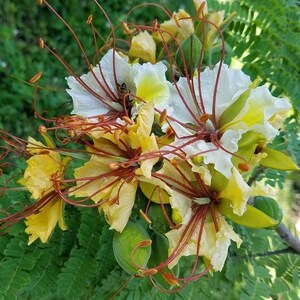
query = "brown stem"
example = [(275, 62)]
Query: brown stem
[(288, 238)]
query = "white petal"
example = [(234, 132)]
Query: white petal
[(183, 106), (231, 85)]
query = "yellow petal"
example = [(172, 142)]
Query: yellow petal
[(144, 47), (35, 147), (237, 190), (180, 26), (88, 183), (42, 224), (39, 172), (118, 212), (154, 193)]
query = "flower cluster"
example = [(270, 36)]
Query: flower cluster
[(169, 134)]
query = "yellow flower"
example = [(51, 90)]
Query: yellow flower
[(180, 26), (42, 224), (41, 168), (143, 46), (119, 159)]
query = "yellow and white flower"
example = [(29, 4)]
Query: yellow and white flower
[(233, 106), (115, 84)]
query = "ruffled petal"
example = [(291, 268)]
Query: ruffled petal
[(41, 225), (213, 245), (118, 212), (262, 113), (232, 83)]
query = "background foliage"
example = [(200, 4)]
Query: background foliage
[(79, 263)]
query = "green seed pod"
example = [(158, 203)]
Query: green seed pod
[(159, 222), (269, 206), (132, 247), (159, 254), (188, 54)]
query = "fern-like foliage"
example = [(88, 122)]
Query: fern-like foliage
[(265, 37), (79, 263)]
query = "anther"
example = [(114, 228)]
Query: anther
[(71, 133), (41, 43), (204, 118), (200, 10), (145, 217), (145, 243), (89, 19), (128, 120), (39, 2), (144, 273), (126, 165), (173, 162), (42, 129), (169, 279), (126, 28), (243, 167), (36, 77), (163, 116), (101, 118), (114, 166), (155, 25), (170, 133)]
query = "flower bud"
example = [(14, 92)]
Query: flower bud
[(158, 219), (269, 206), (130, 249)]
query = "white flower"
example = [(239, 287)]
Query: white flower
[(103, 89), (235, 108)]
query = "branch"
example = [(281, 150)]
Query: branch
[(288, 238)]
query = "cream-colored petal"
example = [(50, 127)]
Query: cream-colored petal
[(213, 245), (232, 83), (118, 208), (103, 81), (261, 112), (144, 47)]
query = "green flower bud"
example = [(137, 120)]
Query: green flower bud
[(132, 247), (269, 206), (159, 254), (159, 222)]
